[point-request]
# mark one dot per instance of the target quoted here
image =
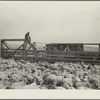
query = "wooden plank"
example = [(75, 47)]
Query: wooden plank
[(18, 51), (86, 56), (14, 53), (18, 56), (86, 60), (24, 49), (36, 51), (31, 56), (96, 60), (6, 45), (97, 57), (62, 55), (60, 58), (54, 60), (13, 40), (76, 43), (54, 51), (63, 59), (13, 49), (80, 53), (91, 43), (2, 49)]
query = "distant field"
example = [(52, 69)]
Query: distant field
[(92, 49)]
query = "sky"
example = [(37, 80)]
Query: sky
[(51, 21)]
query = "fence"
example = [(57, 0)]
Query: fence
[(30, 54)]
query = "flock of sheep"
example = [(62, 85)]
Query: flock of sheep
[(43, 75)]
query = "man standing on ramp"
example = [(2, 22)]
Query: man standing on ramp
[(27, 37)]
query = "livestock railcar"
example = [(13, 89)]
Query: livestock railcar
[(65, 46), (73, 52)]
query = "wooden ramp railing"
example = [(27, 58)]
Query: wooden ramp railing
[(19, 52), (65, 56)]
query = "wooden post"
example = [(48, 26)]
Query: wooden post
[(99, 47), (83, 47), (78, 48), (24, 49), (78, 53), (68, 48), (2, 48)]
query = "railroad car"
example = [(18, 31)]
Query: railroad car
[(65, 46)]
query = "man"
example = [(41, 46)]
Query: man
[(27, 37)]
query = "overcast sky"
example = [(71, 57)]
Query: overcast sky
[(51, 21)]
